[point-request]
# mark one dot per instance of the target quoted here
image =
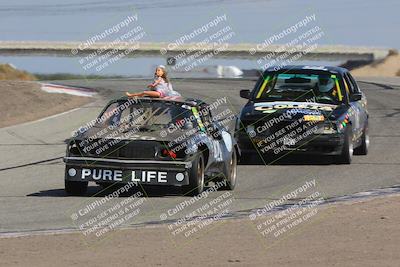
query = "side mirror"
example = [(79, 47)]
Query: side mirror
[(245, 94), (355, 97)]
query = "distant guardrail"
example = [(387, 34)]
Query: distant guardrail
[(147, 49)]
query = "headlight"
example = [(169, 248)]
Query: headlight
[(72, 148)]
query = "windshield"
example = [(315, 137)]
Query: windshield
[(145, 114), (320, 88)]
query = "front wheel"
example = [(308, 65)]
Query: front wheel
[(196, 177), (347, 151), (363, 148), (75, 188), (230, 172)]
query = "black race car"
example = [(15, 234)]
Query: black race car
[(150, 141), (305, 109)]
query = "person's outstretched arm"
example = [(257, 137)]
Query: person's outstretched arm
[(155, 83)]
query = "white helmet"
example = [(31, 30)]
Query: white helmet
[(325, 84)]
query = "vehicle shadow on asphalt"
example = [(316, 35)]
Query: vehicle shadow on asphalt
[(99, 191), (256, 159)]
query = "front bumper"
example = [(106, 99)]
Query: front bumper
[(316, 144), (146, 172)]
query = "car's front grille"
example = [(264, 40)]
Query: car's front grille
[(139, 149), (125, 149)]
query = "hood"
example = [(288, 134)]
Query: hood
[(151, 133), (291, 110)]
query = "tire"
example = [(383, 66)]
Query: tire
[(245, 158), (196, 177), (347, 151), (230, 172), (363, 148), (75, 188)]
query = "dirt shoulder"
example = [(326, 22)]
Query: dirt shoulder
[(23, 101), (347, 234), (389, 67)]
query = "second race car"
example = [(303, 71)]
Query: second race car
[(305, 109)]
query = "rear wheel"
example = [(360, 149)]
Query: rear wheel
[(75, 188), (347, 151), (196, 177), (230, 172), (363, 148)]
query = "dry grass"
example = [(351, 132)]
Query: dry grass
[(7, 72), (23, 101), (389, 67)]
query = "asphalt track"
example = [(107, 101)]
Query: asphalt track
[(32, 197)]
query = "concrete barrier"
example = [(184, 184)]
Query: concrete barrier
[(143, 49)]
